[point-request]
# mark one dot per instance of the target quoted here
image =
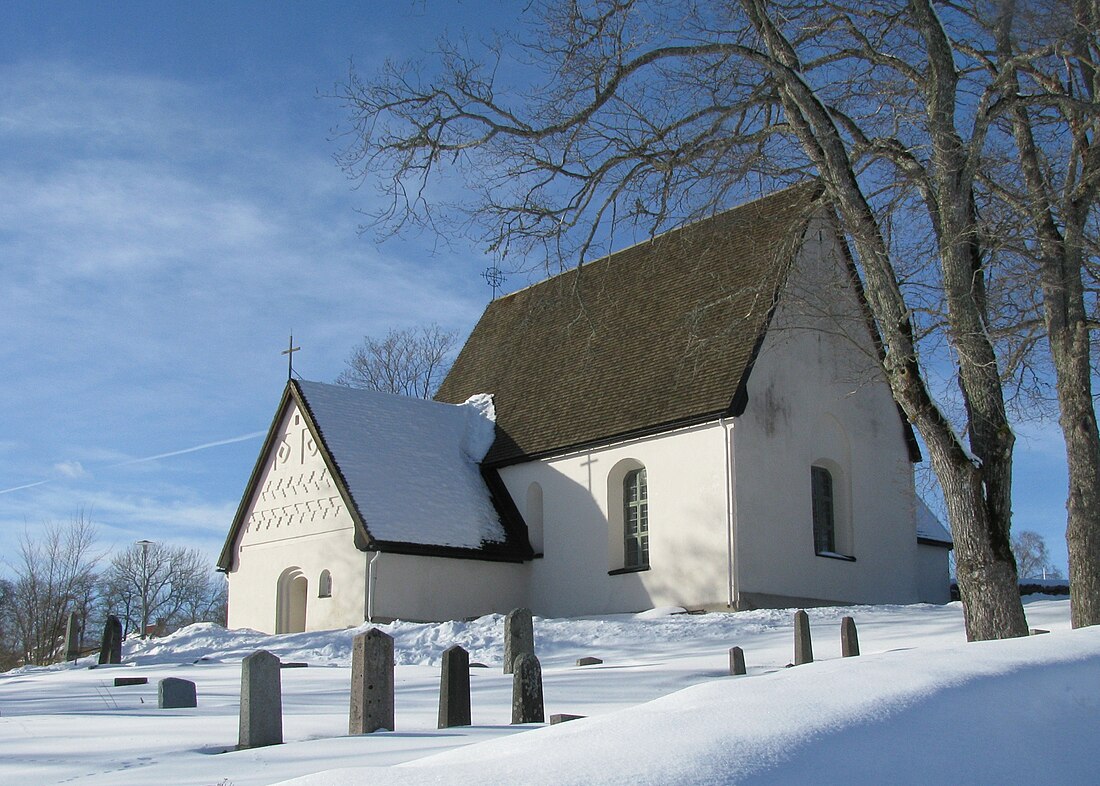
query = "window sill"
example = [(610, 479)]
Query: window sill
[(834, 555), (620, 571)]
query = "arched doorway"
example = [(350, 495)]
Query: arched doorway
[(290, 601)]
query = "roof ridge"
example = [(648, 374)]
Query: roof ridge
[(610, 257)]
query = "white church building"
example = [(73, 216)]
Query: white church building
[(697, 420)]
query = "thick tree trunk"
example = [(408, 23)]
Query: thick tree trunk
[(1068, 336)]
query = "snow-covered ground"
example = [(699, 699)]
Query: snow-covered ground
[(918, 706)]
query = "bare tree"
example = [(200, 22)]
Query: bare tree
[(1048, 55), (658, 112), (411, 362), (157, 582), (1032, 557), (52, 573)]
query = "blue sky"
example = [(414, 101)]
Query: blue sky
[(170, 212)]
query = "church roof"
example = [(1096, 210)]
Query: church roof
[(930, 530), (408, 470), (659, 335)]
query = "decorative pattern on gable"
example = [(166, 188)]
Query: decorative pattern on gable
[(296, 496)]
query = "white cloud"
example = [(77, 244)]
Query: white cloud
[(70, 469)]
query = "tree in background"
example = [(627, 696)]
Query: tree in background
[(53, 575), (1032, 558), (167, 585), (411, 362), (9, 651)]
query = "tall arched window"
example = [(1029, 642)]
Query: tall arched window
[(324, 585), (824, 512), (635, 519)]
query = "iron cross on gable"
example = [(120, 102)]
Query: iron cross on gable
[(289, 352)]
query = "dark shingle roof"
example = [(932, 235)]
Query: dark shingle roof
[(657, 335)]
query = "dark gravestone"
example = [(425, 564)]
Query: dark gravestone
[(803, 648), (519, 637), (371, 683), (293, 665), (527, 690), (110, 649), (121, 682), (588, 661), (261, 701), (849, 639), (737, 661), (174, 693), (72, 637), (454, 688), (562, 717)]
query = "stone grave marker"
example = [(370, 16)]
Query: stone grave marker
[(121, 682), (371, 683), (519, 637), (562, 717), (110, 649), (588, 661), (261, 701), (849, 639), (454, 688), (803, 647), (737, 661), (72, 637), (527, 690), (174, 693)]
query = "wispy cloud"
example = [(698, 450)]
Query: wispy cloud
[(182, 451), (70, 469)]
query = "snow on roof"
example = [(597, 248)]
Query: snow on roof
[(411, 465), (928, 526)]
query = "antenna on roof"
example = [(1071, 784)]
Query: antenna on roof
[(494, 277), (289, 352)]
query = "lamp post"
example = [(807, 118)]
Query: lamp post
[(145, 544)]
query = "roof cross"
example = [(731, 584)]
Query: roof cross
[(289, 352)]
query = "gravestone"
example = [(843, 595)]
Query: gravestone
[(803, 648), (261, 701), (174, 693), (737, 661), (371, 683), (110, 649), (519, 637), (562, 717), (527, 690), (121, 682), (589, 661), (849, 639), (72, 637), (454, 688)]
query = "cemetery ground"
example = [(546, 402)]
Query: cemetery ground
[(919, 705)]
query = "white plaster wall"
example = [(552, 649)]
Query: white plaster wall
[(296, 519), (933, 574), (687, 525), (815, 396), (433, 589)]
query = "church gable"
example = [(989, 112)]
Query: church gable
[(658, 335), (401, 474)]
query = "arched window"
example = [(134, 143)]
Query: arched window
[(635, 519), (534, 517), (824, 512), (324, 585)]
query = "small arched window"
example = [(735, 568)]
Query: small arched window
[(824, 511), (635, 519), (324, 585)]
